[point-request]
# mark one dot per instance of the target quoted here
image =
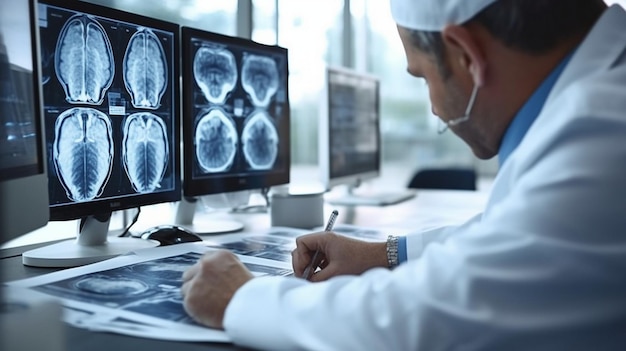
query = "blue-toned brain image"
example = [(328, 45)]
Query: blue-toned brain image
[(106, 285), (83, 152), (215, 72), (259, 77), (215, 142), (260, 141), (145, 150), (84, 61), (145, 69)]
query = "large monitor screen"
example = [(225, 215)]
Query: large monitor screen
[(23, 182), (111, 108), (235, 114), (350, 127)]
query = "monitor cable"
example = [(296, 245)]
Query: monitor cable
[(126, 233)]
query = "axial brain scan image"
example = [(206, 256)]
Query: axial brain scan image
[(216, 141), (215, 73), (145, 150), (145, 69), (260, 141), (259, 78), (104, 285), (83, 152), (84, 60)]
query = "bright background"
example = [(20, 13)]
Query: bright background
[(354, 33)]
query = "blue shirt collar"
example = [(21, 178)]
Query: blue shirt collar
[(529, 112)]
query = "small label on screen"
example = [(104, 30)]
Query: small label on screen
[(117, 110)]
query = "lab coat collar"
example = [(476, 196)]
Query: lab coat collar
[(600, 49), (529, 112)]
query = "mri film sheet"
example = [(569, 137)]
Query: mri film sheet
[(140, 289), (240, 109), (274, 244)]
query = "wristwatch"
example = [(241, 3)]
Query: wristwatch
[(392, 251)]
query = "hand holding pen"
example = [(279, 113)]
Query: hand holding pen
[(315, 261)]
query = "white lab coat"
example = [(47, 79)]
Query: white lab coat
[(543, 268)]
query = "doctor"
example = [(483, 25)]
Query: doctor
[(542, 85)]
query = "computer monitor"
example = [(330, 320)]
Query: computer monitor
[(350, 138), (23, 180), (235, 121), (111, 100)]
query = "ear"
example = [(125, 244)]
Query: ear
[(464, 48)]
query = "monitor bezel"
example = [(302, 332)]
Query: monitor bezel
[(76, 210), (228, 182), (324, 148), (24, 200)]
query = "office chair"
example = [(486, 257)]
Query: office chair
[(444, 178)]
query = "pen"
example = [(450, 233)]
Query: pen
[(313, 265)]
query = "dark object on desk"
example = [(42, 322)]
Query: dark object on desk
[(444, 178), (170, 235)]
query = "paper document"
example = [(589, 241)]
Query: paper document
[(276, 243), (138, 294)]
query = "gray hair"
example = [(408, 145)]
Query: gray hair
[(431, 43)]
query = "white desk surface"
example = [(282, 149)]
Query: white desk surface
[(430, 208)]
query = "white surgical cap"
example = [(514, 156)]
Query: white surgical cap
[(434, 15)]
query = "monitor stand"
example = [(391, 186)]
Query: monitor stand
[(378, 198), (205, 225), (92, 244), (255, 208)]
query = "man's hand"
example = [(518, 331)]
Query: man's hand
[(340, 255), (209, 285)]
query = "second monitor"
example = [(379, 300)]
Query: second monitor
[(236, 115)]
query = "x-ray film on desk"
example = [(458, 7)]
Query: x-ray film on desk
[(139, 293)]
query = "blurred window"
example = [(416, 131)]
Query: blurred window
[(318, 33)]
